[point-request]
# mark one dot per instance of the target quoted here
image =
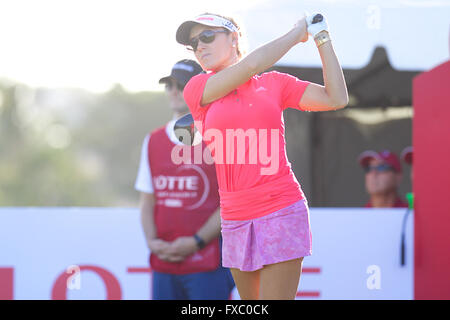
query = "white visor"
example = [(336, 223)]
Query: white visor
[(184, 30)]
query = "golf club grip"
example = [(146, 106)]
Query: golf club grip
[(317, 18)]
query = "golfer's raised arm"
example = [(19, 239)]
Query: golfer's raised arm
[(228, 79), (333, 95)]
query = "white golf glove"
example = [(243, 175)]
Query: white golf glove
[(315, 28)]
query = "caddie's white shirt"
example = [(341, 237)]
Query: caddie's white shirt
[(144, 177)]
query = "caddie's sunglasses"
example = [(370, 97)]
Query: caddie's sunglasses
[(206, 36), (380, 168), (170, 85)]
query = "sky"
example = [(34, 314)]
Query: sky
[(94, 44)]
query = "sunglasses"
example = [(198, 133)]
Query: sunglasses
[(206, 36), (170, 85), (379, 168)]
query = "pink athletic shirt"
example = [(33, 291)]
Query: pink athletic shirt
[(245, 133)]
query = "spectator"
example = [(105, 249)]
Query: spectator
[(383, 176), (180, 210)]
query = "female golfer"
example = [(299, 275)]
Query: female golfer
[(264, 213)]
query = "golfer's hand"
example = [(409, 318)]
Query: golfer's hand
[(301, 28), (315, 28)]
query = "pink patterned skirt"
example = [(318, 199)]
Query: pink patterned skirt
[(283, 235)]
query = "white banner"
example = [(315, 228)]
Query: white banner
[(100, 253)]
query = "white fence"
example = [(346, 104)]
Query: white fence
[(98, 253)]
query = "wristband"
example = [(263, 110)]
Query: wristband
[(321, 38), (200, 242)]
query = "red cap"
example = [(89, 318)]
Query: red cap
[(407, 155), (385, 155)]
